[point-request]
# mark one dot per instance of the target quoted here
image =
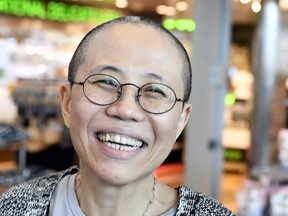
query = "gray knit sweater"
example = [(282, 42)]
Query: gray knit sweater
[(32, 198)]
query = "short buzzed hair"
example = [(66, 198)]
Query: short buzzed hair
[(80, 53)]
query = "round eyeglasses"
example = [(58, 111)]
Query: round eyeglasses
[(104, 90)]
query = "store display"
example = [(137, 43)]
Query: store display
[(8, 109), (39, 111), (13, 177), (252, 200), (11, 135), (283, 148), (279, 201), (263, 197)]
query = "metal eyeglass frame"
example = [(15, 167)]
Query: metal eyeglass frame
[(121, 92)]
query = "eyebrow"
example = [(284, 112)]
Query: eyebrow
[(154, 76), (100, 68)]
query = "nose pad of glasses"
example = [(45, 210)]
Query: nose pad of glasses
[(119, 94), (138, 97)]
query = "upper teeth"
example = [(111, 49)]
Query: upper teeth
[(124, 140)]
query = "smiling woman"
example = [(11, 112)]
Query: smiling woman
[(124, 120)]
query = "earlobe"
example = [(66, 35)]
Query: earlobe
[(65, 93), (184, 118)]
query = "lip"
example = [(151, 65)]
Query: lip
[(116, 153)]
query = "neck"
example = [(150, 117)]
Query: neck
[(135, 198)]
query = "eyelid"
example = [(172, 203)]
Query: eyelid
[(151, 75), (106, 78)]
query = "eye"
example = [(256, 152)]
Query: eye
[(154, 90), (109, 81), (104, 81)]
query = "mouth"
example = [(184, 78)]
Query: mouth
[(120, 142)]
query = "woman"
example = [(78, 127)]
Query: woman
[(125, 105)]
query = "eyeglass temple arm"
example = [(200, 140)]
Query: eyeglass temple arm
[(180, 100), (78, 83)]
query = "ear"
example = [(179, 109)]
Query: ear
[(186, 111), (65, 93)]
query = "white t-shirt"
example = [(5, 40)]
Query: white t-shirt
[(64, 200)]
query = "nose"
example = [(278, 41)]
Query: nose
[(127, 107)]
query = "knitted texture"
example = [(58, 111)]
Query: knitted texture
[(198, 204), (32, 198)]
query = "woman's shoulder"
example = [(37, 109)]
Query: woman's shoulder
[(195, 203), (31, 195)]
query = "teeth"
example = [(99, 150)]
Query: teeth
[(117, 138), (120, 142), (107, 137), (121, 147), (123, 140)]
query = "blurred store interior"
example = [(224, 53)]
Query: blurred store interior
[(239, 54)]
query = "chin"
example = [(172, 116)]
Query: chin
[(118, 180)]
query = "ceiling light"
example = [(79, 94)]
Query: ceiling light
[(245, 1), (161, 9), (170, 11), (165, 10), (256, 6), (121, 3), (181, 6), (283, 4), (286, 83)]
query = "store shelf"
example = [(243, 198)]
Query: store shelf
[(275, 172)]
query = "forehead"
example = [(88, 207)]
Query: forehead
[(133, 32), (133, 46), (134, 36)]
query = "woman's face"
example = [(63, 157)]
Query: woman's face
[(135, 54)]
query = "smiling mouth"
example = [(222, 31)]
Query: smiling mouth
[(120, 142)]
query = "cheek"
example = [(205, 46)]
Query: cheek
[(166, 130), (81, 115), (79, 119), (80, 108), (165, 136)]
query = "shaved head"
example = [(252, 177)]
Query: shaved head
[(81, 51)]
